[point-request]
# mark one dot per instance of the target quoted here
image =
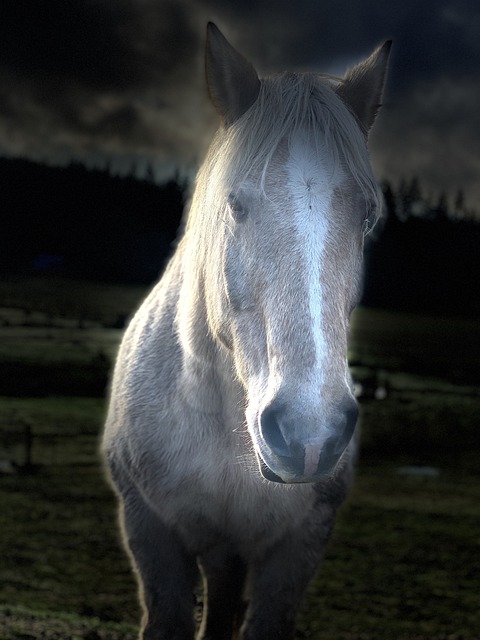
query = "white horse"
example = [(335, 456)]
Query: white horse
[(230, 434)]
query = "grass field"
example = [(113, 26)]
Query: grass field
[(404, 560)]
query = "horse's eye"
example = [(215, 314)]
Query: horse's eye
[(238, 209)]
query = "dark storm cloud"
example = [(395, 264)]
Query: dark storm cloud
[(430, 123), (123, 79), (90, 77), (106, 45), (433, 37)]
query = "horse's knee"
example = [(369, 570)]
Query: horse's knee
[(166, 573)]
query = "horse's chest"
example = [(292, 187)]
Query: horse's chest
[(210, 487), (231, 500)]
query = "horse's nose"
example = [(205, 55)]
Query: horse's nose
[(300, 454)]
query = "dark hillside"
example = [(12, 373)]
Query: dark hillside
[(424, 259), (92, 225), (85, 223)]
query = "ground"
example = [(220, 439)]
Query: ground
[(404, 559)]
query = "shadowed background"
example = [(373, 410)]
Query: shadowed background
[(119, 83), (104, 118)]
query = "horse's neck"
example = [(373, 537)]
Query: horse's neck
[(192, 317), (207, 376)]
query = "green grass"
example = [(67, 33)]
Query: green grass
[(435, 347), (423, 429), (404, 559), (403, 562), (29, 298), (60, 336), (59, 539), (20, 623)]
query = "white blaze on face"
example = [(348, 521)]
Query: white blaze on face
[(311, 184)]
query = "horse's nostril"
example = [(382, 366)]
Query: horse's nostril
[(343, 427), (294, 447), (272, 433), (350, 409)]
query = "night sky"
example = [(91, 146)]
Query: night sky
[(121, 82)]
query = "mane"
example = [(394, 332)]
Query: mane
[(288, 103)]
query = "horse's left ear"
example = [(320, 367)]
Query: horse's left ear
[(362, 86), (232, 81)]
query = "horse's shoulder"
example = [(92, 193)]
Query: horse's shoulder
[(146, 359)]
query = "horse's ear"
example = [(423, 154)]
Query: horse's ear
[(362, 86), (232, 81)]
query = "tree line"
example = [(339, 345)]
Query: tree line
[(425, 255), (422, 257), (85, 224)]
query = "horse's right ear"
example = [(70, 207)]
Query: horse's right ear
[(232, 81)]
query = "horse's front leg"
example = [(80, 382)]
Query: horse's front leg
[(223, 578), (279, 582), (166, 573)]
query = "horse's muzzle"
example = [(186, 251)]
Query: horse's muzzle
[(285, 456)]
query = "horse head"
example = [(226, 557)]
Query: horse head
[(290, 197)]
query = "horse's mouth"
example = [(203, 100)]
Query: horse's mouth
[(289, 475), (267, 473)]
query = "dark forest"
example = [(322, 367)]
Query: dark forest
[(423, 257)]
